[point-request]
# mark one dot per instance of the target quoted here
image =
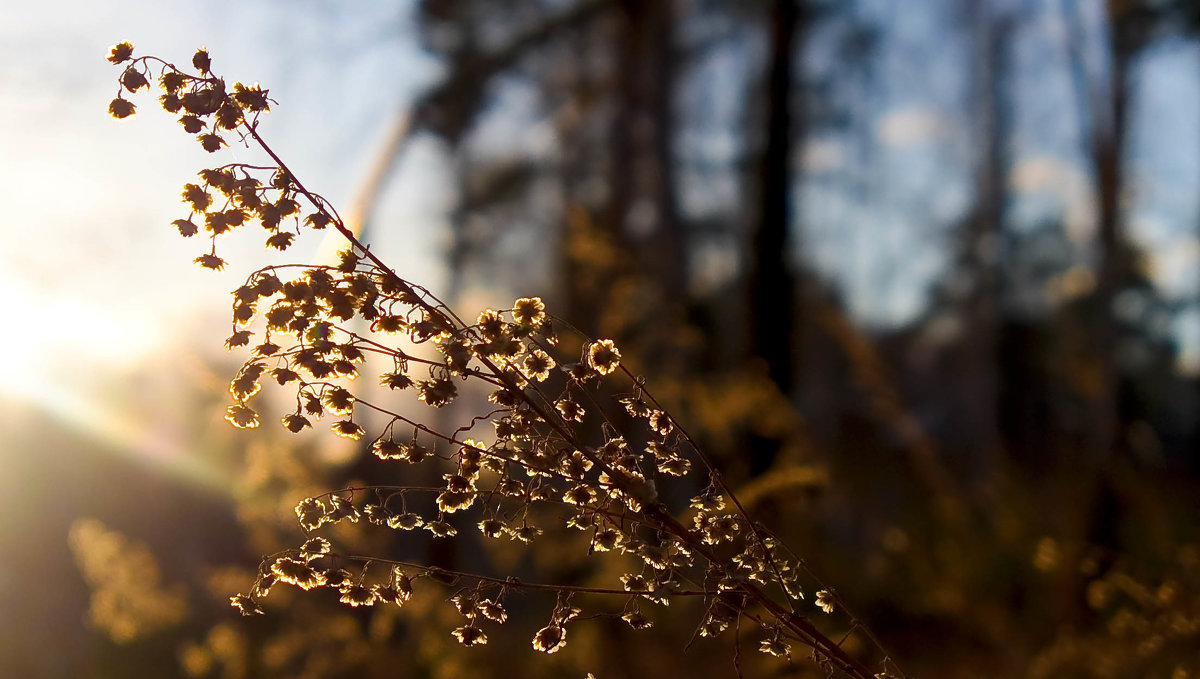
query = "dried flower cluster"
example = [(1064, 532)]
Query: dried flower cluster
[(575, 440)]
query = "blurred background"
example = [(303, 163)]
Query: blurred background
[(923, 277)]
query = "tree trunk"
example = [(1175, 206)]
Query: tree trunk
[(773, 312)]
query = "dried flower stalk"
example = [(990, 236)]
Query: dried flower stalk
[(577, 438)]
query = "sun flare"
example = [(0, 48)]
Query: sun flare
[(58, 337), (60, 340)]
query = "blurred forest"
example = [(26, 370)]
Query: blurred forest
[(965, 401)]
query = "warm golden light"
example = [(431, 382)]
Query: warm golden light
[(60, 356), (53, 333)]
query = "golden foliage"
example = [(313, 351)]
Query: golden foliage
[(128, 600)]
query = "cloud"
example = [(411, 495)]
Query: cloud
[(911, 126), (823, 155)]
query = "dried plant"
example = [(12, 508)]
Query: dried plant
[(576, 440)]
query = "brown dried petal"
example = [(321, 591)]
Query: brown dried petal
[(120, 52), (211, 142), (133, 80), (186, 227), (201, 60), (121, 108)]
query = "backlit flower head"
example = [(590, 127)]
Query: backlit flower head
[(121, 108), (826, 601), (437, 392), (311, 512), (492, 528), (358, 595), (570, 410), (295, 422), (491, 324), (245, 605), (451, 501), (550, 639), (470, 635), (210, 262), (529, 311), (186, 227), (774, 646), (297, 572), (201, 60), (347, 429), (406, 521), (526, 533), (492, 610), (636, 620), (120, 52), (241, 417), (603, 356), (607, 539), (441, 529), (538, 365), (343, 509), (338, 401), (314, 547), (133, 79)]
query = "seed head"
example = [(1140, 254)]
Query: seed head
[(120, 52), (121, 108)]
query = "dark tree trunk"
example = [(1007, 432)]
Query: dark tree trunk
[(773, 312), (1108, 156), (985, 379), (648, 70), (640, 215)]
